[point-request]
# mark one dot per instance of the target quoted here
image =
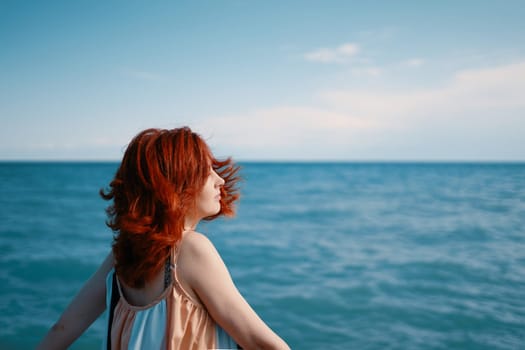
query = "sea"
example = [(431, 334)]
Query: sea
[(366, 255)]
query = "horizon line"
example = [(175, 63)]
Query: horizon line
[(297, 161)]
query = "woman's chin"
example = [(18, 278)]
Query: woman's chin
[(215, 211)]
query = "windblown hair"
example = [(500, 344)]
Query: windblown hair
[(156, 185)]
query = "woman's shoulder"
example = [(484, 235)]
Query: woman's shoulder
[(196, 244), (197, 256)]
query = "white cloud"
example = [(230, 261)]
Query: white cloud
[(454, 121), (287, 132), (339, 54), (477, 115), (348, 50), (469, 90), (414, 62)]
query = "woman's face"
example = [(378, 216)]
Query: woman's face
[(208, 199)]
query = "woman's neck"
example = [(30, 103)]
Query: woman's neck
[(190, 224)]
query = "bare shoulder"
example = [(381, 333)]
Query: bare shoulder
[(197, 245), (198, 254), (198, 263)]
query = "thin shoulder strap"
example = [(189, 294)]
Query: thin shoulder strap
[(171, 263), (167, 271), (174, 256), (175, 252), (115, 296)]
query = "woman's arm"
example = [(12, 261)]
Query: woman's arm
[(87, 305), (210, 280)]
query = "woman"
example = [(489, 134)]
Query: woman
[(164, 284)]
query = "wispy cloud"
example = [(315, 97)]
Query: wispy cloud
[(364, 68), (477, 115), (414, 62), (340, 54), (496, 87), (288, 132), (366, 123)]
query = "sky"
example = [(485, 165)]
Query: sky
[(265, 80)]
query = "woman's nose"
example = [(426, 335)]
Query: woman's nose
[(219, 180)]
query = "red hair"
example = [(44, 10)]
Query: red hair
[(161, 173)]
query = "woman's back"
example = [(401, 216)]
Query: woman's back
[(147, 295)]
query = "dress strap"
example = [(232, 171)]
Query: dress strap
[(167, 272), (174, 269), (175, 253), (115, 296), (176, 248), (171, 262)]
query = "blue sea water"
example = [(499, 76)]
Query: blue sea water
[(331, 255)]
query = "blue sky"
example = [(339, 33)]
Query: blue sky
[(266, 80)]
